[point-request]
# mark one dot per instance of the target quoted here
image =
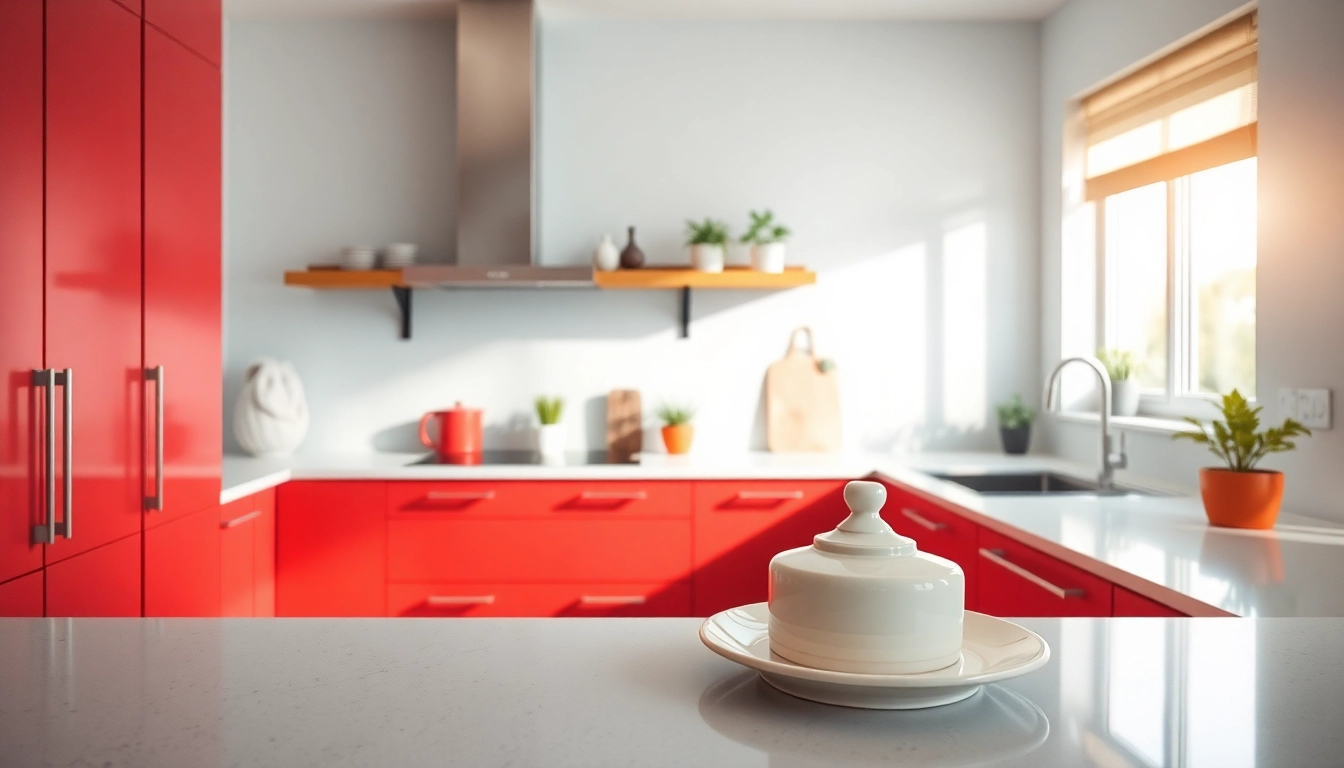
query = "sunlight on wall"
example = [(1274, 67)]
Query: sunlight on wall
[(1078, 300), (965, 316)]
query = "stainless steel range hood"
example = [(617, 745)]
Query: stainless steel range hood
[(496, 68)]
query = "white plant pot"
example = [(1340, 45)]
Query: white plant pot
[(1124, 397), (607, 257), (768, 258), (707, 258), (551, 441)]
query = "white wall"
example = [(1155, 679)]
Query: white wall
[(903, 155), (1300, 321)]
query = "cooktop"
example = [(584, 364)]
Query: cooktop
[(574, 458)]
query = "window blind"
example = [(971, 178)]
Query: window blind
[(1190, 110)]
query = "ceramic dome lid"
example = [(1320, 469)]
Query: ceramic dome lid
[(864, 532)]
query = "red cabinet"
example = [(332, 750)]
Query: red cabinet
[(503, 599), (196, 23), (1128, 603), (102, 582), (1017, 580), (21, 286), (936, 531), (182, 566), (22, 596), (740, 525), (247, 551), (331, 549), (181, 277), (263, 554)]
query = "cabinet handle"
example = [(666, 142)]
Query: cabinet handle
[(446, 600), (922, 521), (155, 502), (49, 379), (460, 495), (237, 521), (611, 600), (996, 556), (769, 495), (613, 495), (67, 379)]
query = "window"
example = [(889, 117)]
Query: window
[(1171, 168)]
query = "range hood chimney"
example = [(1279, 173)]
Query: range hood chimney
[(496, 68)]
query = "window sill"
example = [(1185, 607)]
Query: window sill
[(1154, 424)]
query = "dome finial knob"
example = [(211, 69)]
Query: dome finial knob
[(865, 499)]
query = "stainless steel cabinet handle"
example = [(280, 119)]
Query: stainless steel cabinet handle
[(155, 502), (996, 556), (446, 600), (613, 495), (769, 495), (46, 378), (460, 495), (237, 521), (49, 379), (922, 521), (67, 379), (611, 600)]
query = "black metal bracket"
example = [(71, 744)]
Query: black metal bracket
[(685, 312), (403, 297)]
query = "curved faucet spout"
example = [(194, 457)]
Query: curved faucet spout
[(1109, 461)]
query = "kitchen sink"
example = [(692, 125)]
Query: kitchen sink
[(1036, 483)]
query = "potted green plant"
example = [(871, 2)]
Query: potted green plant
[(707, 240), (677, 428), (767, 242), (1015, 425), (1239, 495), (551, 432), (1120, 366)]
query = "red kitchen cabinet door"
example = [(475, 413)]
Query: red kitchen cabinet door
[(534, 600), (237, 568), (182, 566), (92, 278), (22, 596), (331, 549), (182, 277), (543, 500), (1017, 580), (21, 473), (936, 531), (1128, 603), (741, 525), (101, 582), (263, 555), (134, 6), (196, 23)]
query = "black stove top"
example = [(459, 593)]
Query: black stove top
[(531, 458)]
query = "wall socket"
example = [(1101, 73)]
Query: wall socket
[(1309, 406)]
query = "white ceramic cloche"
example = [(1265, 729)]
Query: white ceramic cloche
[(863, 599)]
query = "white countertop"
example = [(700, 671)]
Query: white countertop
[(641, 692)]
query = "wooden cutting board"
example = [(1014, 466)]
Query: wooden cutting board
[(802, 402), (625, 424)]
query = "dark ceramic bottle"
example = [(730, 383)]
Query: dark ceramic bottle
[(631, 256)]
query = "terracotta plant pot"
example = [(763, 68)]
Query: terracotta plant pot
[(1241, 499), (678, 438)]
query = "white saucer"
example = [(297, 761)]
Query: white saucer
[(991, 650)]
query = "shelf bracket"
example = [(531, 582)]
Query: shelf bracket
[(685, 312), (403, 296)]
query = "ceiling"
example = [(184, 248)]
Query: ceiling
[(961, 10)]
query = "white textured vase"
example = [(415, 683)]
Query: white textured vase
[(551, 441), (707, 258), (768, 257), (1124, 397), (607, 257), (271, 416)]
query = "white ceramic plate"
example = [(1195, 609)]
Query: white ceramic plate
[(991, 650)]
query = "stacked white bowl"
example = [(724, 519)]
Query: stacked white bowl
[(398, 255), (358, 257)]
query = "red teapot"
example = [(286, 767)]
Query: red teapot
[(460, 434)]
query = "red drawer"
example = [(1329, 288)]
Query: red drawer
[(433, 549), (740, 525), (937, 531), (449, 600), (1016, 580), (1131, 604), (541, 499)]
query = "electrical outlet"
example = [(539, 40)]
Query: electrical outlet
[(1313, 408), (1287, 403)]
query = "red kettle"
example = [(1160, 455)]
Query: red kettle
[(460, 435)]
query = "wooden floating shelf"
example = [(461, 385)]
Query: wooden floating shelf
[(740, 278), (344, 279)]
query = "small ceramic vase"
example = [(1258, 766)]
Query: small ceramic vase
[(271, 415), (631, 256), (606, 258)]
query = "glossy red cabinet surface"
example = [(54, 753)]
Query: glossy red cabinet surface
[(741, 525), (21, 284), (263, 554), (182, 277), (92, 277), (196, 23), (1128, 603), (247, 551), (101, 582), (541, 499), (1014, 579), (574, 600), (331, 549), (182, 566), (22, 597)]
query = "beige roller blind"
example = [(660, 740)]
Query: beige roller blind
[(1193, 109)]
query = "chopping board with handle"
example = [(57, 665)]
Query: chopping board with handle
[(802, 401)]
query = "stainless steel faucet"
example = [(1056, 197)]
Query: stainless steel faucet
[(1109, 461)]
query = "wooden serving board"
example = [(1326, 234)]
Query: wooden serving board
[(625, 424), (802, 402)]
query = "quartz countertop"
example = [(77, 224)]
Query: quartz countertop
[(1160, 546), (641, 692)]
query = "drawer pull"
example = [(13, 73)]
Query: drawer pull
[(613, 496), (996, 556), (611, 600), (922, 521), (237, 521), (460, 495), (446, 600), (769, 495)]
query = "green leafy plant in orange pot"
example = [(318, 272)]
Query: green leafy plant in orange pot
[(1241, 496), (677, 428)]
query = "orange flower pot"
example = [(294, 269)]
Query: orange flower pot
[(1241, 499), (678, 438)]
